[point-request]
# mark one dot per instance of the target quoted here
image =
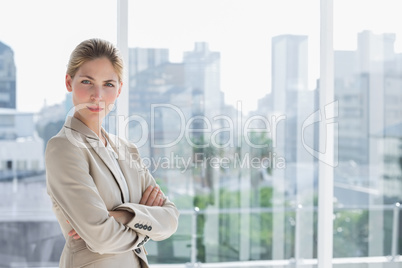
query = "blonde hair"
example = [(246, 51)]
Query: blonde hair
[(92, 49)]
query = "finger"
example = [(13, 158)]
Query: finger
[(157, 199), (72, 232), (145, 195), (161, 202), (76, 236), (152, 196)]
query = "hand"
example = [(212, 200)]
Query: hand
[(152, 196), (73, 233), (121, 216)]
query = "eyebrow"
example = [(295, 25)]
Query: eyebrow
[(89, 77), (110, 80)]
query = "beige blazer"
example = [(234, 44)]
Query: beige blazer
[(83, 184)]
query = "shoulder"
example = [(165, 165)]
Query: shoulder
[(67, 140), (64, 154)]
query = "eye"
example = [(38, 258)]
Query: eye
[(86, 82), (109, 85)]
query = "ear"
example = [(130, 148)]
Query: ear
[(119, 91), (69, 81)]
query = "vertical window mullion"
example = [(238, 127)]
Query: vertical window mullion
[(122, 44), (326, 137)]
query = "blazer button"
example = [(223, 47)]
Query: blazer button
[(149, 228), (145, 227), (138, 250), (136, 225), (140, 226)]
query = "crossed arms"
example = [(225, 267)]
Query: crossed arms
[(152, 196)]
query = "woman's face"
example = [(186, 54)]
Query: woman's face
[(95, 87)]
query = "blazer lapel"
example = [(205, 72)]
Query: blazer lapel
[(128, 165), (96, 144), (104, 154)]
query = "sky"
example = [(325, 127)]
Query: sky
[(42, 34)]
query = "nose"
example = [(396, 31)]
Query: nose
[(97, 93)]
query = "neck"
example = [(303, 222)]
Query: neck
[(95, 126)]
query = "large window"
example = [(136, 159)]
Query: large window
[(225, 105)]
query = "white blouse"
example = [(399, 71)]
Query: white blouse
[(114, 156)]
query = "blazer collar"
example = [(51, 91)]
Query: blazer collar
[(77, 125)]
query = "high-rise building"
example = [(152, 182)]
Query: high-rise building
[(156, 87), (7, 77), (147, 86), (367, 86), (202, 79), (351, 91), (289, 69), (293, 104), (141, 59), (291, 98), (202, 75), (290, 94)]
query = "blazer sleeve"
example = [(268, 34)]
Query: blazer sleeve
[(72, 188), (157, 223)]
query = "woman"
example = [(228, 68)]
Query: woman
[(107, 203)]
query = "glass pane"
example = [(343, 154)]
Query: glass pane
[(36, 40), (225, 88), (368, 181)]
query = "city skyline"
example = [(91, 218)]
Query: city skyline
[(249, 187)]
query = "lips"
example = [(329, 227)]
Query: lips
[(94, 108)]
